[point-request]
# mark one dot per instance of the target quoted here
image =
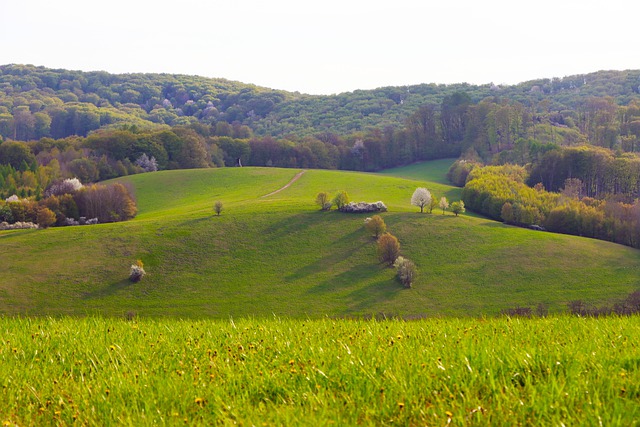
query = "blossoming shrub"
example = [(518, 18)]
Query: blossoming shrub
[(67, 186), (405, 271), (363, 207), (17, 225), (137, 271)]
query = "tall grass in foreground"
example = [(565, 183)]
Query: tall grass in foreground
[(549, 371)]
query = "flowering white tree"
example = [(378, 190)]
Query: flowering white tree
[(444, 204), (421, 198), (146, 163), (68, 186)]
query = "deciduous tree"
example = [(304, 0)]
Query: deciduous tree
[(375, 225), (45, 217), (444, 204), (457, 207), (341, 199), (421, 198), (322, 199), (388, 248)]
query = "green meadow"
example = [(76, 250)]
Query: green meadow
[(482, 372), (279, 255), (266, 314)]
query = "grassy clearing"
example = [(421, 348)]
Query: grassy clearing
[(550, 371), (280, 255)]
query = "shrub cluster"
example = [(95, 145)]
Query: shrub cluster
[(68, 202), (363, 207), (629, 306), (17, 225), (388, 248)]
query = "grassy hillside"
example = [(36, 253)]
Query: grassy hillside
[(280, 255)]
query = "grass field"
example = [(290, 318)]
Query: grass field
[(280, 255), (485, 372)]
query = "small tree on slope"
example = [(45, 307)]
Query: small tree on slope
[(421, 198)]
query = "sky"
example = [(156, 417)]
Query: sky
[(329, 46)]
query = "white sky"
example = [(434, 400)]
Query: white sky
[(328, 46)]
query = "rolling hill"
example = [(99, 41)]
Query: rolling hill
[(279, 255)]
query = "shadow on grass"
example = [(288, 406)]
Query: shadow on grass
[(333, 257), (359, 298), (195, 221), (365, 298), (6, 234), (494, 224), (111, 289), (291, 225), (346, 280)]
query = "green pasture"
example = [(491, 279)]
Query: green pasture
[(279, 255)]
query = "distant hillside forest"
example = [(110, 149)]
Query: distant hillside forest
[(38, 102), (94, 126)]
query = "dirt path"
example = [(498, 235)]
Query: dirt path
[(294, 179)]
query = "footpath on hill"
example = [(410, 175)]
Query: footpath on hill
[(294, 179)]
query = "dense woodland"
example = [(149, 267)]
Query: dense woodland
[(583, 130)]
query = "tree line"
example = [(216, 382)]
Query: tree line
[(38, 102), (501, 193)]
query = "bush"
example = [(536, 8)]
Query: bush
[(388, 248), (217, 207), (137, 272), (406, 271), (375, 225), (45, 218), (517, 312)]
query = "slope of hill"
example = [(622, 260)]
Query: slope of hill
[(40, 102), (281, 255)]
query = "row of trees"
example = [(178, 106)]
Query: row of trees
[(601, 171), (388, 248), (68, 202), (422, 198), (500, 192)]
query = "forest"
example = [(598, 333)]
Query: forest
[(577, 135)]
